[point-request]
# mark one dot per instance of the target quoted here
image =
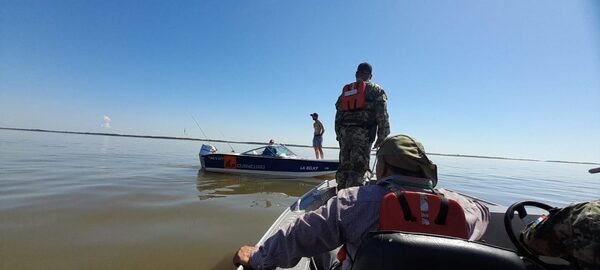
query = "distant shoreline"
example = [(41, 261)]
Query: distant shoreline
[(262, 143)]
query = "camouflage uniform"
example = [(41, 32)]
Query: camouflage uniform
[(356, 131), (572, 233)]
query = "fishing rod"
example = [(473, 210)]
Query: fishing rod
[(223, 136), (205, 137)]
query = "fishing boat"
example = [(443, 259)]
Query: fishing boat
[(272, 160), (498, 248)]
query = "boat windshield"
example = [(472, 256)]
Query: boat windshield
[(276, 150)]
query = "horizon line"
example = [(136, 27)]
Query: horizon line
[(262, 143)]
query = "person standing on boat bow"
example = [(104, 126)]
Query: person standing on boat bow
[(346, 218), (318, 136), (361, 115)]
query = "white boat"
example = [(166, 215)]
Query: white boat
[(271, 160), (494, 251)]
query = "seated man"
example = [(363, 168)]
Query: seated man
[(572, 233), (270, 150), (346, 218)]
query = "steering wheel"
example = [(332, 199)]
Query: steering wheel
[(519, 207)]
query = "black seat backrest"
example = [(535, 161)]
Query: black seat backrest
[(398, 250)]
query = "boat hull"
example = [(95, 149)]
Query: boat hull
[(270, 166)]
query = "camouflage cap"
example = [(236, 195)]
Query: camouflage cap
[(408, 154)]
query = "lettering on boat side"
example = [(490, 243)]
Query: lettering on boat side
[(251, 166), (309, 168)]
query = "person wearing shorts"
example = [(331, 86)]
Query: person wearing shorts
[(318, 136)]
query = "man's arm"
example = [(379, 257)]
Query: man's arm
[(476, 213), (382, 118), (311, 234), (321, 128), (338, 118)]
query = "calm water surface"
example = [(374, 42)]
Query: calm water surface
[(96, 202)]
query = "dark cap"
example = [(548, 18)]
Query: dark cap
[(406, 153), (364, 68), (314, 114)]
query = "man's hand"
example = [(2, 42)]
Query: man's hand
[(242, 256)]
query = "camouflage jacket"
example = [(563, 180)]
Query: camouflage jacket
[(572, 232), (374, 116)]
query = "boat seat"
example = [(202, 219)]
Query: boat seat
[(399, 250)]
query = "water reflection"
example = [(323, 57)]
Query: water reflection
[(215, 185)]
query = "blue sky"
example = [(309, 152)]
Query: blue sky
[(503, 78)]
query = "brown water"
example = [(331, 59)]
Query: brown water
[(95, 202), (87, 202)]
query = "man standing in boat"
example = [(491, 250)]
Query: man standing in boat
[(402, 165), (361, 116), (318, 136)]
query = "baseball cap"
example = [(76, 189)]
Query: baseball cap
[(406, 153), (364, 68), (314, 114)]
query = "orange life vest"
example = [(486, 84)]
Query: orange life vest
[(353, 96), (421, 212)]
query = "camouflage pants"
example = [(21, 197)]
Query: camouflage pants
[(572, 233), (355, 148)]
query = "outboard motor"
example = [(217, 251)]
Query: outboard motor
[(206, 149)]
